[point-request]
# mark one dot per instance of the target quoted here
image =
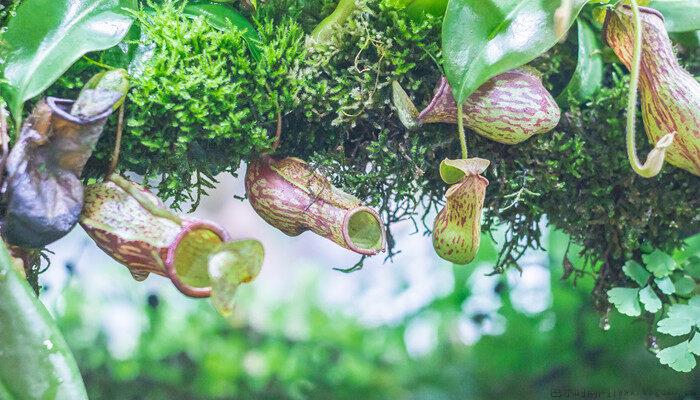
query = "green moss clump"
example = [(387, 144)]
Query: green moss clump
[(201, 105)]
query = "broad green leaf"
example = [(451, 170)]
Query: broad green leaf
[(35, 362), (694, 344), (223, 17), (651, 301), (483, 38), (625, 300), (636, 272), (677, 357), (659, 263), (588, 76), (665, 284), (679, 15), (46, 37)]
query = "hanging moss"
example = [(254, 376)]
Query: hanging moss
[(201, 105)]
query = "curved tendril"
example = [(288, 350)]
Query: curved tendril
[(460, 130), (655, 160)]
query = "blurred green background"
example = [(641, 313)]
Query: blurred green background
[(514, 336)]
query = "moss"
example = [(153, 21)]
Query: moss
[(202, 105)]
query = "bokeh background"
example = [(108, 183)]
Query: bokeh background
[(412, 328)]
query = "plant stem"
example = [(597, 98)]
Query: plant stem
[(145, 202), (97, 63), (460, 131)]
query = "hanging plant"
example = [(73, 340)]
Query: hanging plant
[(508, 108), (457, 228), (44, 194), (136, 229), (289, 195), (670, 95)]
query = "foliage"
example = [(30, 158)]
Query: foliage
[(666, 287), (45, 37), (201, 104), (588, 75), (36, 362), (679, 15), (336, 113), (483, 39), (186, 351)]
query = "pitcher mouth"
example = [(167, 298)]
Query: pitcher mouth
[(363, 231), (61, 108), (170, 269)]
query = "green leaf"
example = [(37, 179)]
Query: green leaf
[(223, 17), (681, 318), (677, 357), (684, 284), (659, 263), (588, 76), (679, 15), (406, 110), (692, 267), (483, 38), (42, 366), (46, 37), (694, 344), (636, 272), (625, 300), (665, 285), (651, 301)]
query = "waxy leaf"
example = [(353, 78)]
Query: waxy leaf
[(588, 76), (47, 36), (483, 38), (36, 362), (222, 17), (679, 15)]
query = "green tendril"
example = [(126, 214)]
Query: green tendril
[(653, 165)]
